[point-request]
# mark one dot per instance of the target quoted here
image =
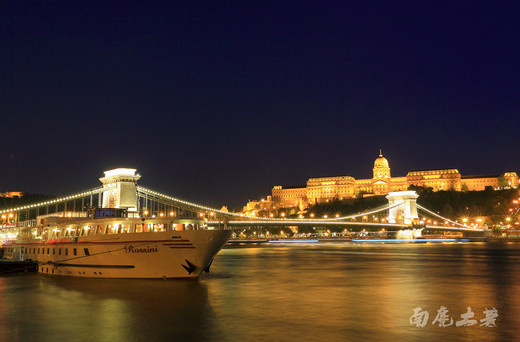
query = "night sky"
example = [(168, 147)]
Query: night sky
[(217, 102)]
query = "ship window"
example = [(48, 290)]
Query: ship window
[(138, 228), (66, 251), (159, 228), (59, 251), (125, 228), (86, 251), (113, 229), (54, 251), (75, 251), (38, 251), (48, 251)]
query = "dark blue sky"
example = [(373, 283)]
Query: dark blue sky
[(217, 102)]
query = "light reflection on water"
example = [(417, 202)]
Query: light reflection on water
[(314, 292)]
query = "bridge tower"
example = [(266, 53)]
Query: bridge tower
[(119, 189), (407, 211)]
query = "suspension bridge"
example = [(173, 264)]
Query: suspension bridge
[(119, 189)]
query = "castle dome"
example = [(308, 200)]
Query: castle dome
[(381, 162)]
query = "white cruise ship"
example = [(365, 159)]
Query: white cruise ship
[(114, 243), (118, 247)]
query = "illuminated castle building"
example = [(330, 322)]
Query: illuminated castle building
[(325, 189)]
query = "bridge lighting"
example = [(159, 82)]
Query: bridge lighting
[(201, 214), (172, 213), (312, 215), (145, 212), (69, 214), (271, 215), (11, 215), (161, 214), (282, 214), (508, 219), (337, 215), (325, 216)]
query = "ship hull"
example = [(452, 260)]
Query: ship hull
[(165, 255)]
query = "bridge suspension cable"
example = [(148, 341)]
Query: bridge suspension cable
[(242, 216), (55, 201), (186, 204), (439, 216), (374, 211)]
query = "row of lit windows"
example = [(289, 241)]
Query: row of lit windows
[(432, 172), (47, 251), (116, 229)]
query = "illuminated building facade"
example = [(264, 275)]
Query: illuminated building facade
[(11, 194), (325, 189)]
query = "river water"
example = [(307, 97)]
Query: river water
[(276, 292)]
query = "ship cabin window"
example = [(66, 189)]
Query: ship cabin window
[(66, 251), (59, 251), (113, 229), (159, 227), (54, 251), (75, 251), (38, 251), (178, 226), (48, 251), (125, 228), (87, 253), (71, 231), (100, 229), (87, 230), (139, 228)]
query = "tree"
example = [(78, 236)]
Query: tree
[(502, 182)]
